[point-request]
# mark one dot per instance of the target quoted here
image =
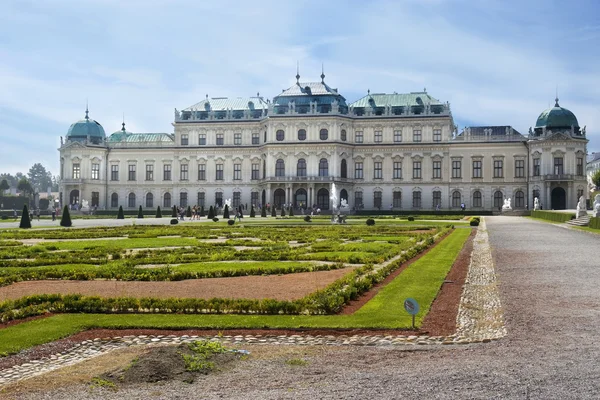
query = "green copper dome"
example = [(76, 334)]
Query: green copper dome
[(557, 117), (85, 128)]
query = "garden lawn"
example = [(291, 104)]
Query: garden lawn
[(421, 280), (122, 244)]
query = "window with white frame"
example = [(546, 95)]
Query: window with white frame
[(477, 199), (397, 136), (456, 169), (417, 135), (184, 139), (377, 170), (416, 200), (95, 171), (437, 135), (378, 137), (437, 169), (166, 172), (237, 172), (237, 139), (280, 167), (498, 169), (255, 138), (416, 169), (220, 139), (437, 199), (202, 139), (397, 199), (456, 199), (219, 172), (358, 170), (255, 171), (519, 168), (76, 171), (201, 172), (377, 195), (397, 169), (477, 169), (536, 167), (114, 172), (131, 175), (358, 137), (184, 172), (149, 172)]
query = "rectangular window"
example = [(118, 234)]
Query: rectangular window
[(397, 170), (377, 199), (417, 135), (184, 139), (416, 169), (220, 139), (437, 199), (183, 200), (358, 200), (255, 138), (378, 169), (536, 167), (166, 172), (456, 169), (76, 171), (219, 199), (437, 170), (131, 175), (437, 135), (378, 137), (358, 137), (498, 169), (202, 139), (255, 171), (558, 166), (397, 200), (114, 172), (184, 172), (254, 199), (114, 200), (149, 172), (95, 199), (237, 172), (95, 171), (397, 136), (358, 170), (477, 169), (201, 172), (519, 168), (201, 199), (219, 172), (579, 168), (416, 200), (237, 200), (237, 139)]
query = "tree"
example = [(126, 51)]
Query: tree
[(25, 187), (120, 215), (65, 219), (596, 179), (4, 186), (211, 213), (12, 181), (25, 222), (226, 211), (252, 213), (140, 212), (263, 212), (39, 177), (158, 213)]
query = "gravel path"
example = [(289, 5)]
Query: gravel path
[(548, 280)]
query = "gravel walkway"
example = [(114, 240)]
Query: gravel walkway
[(548, 280)]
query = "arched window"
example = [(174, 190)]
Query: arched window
[(477, 199), (323, 167), (167, 200), (149, 200), (343, 135), (302, 134), (323, 134), (279, 198), (344, 169), (131, 200), (114, 200), (498, 199), (323, 199), (301, 167), (456, 199), (280, 135), (280, 168), (519, 199)]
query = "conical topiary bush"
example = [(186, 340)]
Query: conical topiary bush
[(283, 211), (25, 222), (158, 212), (188, 212), (120, 214), (202, 213), (273, 211), (241, 211), (226, 212), (140, 212), (211, 213), (174, 212), (252, 213), (291, 211), (263, 212), (65, 219)]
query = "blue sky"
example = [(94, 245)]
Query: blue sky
[(496, 62)]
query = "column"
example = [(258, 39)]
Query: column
[(570, 196), (547, 200)]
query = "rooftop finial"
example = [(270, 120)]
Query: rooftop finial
[(87, 111), (368, 91), (298, 72), (556, 98), (123, 128), (206, 96), (322, 73)]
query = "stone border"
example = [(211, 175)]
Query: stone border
[(479, 319)]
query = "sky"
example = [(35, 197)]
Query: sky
[(496, 62)]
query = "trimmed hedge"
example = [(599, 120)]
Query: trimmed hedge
[(370, 222), (553, 216), (595, 223), (423, 212)]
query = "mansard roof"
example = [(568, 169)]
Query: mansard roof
[(119, 137), (225, 103), (501, 130), (395, 100), (309, 89)]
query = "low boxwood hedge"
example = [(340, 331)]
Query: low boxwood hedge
[(553, 216)]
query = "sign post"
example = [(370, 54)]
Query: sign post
[(412, 307)]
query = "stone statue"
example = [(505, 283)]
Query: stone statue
[(581, 210), (530, 131), (506, 206), (597, 206), (177, 115), (536, 204)]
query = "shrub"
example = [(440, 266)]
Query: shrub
[(241, 211), (370, 222), (65, 220), (211, 213), (174, 221), (263, 212), (474, 221), (283, 211), (273, 211), (252, 213), (158, 212), (226, 212), (230, 222), (291, 211), (44, 204), (202, 213), (215, 219), (25, 222), (120, 214), (595, 223), (411, 218), (140, 212), (307, 218), (174, 212)]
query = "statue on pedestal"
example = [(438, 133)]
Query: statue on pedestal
[(536, 204), (597, 206), (506, 206), (581, 209)]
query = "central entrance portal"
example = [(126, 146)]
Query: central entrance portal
[(300, 199), (558, 199)]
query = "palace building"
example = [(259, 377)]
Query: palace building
[(382, 151)]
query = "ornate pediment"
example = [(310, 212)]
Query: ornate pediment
[(558, 136)]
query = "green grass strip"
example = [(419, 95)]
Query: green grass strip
[(420, 280)]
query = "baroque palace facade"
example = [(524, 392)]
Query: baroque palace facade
[(383, 151)]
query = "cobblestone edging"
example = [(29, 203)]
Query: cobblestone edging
[(479, 319)]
